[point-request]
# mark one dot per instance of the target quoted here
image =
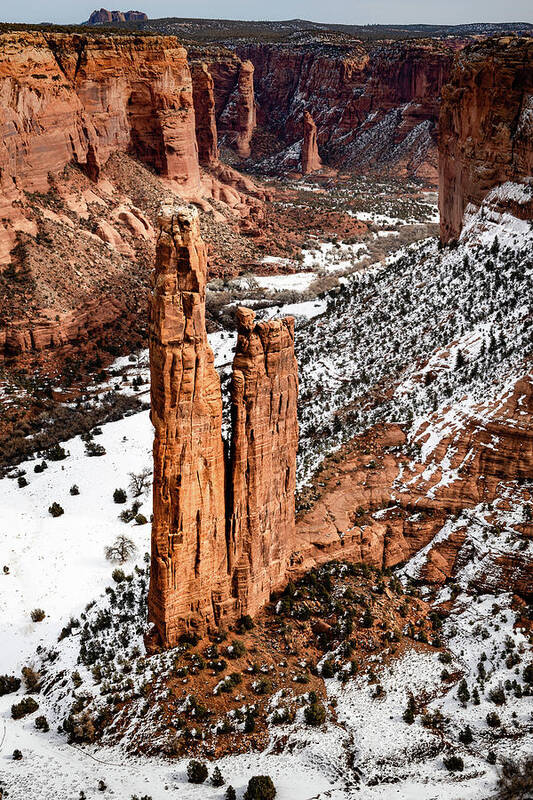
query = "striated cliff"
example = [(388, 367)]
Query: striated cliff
[(375, 106), (486, 126), (74, 98), (263, 459), (189, 559)]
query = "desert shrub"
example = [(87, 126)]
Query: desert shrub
[(454, 764), (196, 771), (328, 668), (245, 623), (37, 615), (55, 510), (515, 780), (528, 673), (216, 778), (92, 450), (493, 720), (119, 496), (32, 679), (8, 684), (315, 713), (497, 695), (236, 649), (26, 706), (56, 453), (260, 787), (466, 736), (122, 550)]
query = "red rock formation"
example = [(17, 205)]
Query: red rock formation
[(263, 461), (189, 573), (310, 159), (238, 119), (211, 561), (204, 109), (375, 105), (486, 125), (413, 500), (91, 96), (105, 17)]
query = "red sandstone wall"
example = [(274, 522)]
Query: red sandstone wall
[(486, 125)]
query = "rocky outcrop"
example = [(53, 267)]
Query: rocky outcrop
[(263, 459), (375, 105), (486, 126), (237, 121), (204, 110), (381, 507), (105, 17), (217, 552), (91, 96), (310, 159), (189, 574)]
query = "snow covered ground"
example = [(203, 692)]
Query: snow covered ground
[(386, 322)]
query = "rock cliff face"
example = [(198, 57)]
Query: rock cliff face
[(73, 98), (382, 509), (189, 574), (263, 459), (486, 125), (205, 118), (237, 120), (216, 553), (310, 159), (375, 106)]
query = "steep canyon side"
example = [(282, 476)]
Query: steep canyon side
[(486, 128), (375, 106)]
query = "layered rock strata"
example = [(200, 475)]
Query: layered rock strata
[(263, 459), (486, 126), (310, 159), (189, 572), (75, 98), (375, 105)]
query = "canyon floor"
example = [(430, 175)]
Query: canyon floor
[(416, 399)]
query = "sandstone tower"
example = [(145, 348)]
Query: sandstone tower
[(263, 458), (189, 554), (217, 550)]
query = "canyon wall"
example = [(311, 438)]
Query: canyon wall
[(75, 98), (375, 105), (74, 101), (486, 125), (219, 547), (263, 458)]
